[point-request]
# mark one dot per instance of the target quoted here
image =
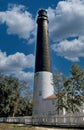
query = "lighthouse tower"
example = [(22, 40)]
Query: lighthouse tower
[(43, 87)]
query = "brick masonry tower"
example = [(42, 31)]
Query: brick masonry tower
[(43, 88)]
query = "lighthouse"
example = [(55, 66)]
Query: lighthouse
[(43, 86)]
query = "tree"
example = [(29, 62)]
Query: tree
[(12, 101), (8, 94), (74, 87), (69, 91), (59, 80), (22, 107)]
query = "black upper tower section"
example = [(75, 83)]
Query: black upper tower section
[(42, 62)]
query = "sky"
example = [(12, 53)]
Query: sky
[(18, 32)]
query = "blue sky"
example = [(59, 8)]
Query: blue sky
[(18, 35)]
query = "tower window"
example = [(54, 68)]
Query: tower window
[(40, 93), (49, 112), (53, 102)]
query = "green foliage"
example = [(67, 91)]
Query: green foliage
[(58, 80), (12, 103), (8, 94), (70, 90), (74, 87)]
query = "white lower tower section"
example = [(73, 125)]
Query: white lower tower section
[(43, 88)]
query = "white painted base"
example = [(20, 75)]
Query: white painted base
[(43, 88), (44, 84)]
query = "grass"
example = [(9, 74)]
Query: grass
[(7, 126)]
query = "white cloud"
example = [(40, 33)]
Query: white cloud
[(19, 21), (71, 50), (67, 21), (14, 63), (26, 76)]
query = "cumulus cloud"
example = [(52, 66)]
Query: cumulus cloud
[(15, 63), (71, 50), (26, 76), (66, 21), (19, 21)]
